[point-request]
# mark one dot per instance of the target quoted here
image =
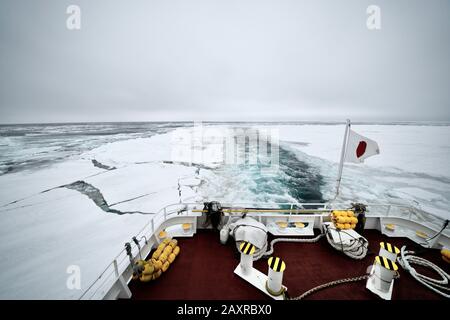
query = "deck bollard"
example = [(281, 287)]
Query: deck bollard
[(247, 250), (275, 276), (385, 271), (389, 251)]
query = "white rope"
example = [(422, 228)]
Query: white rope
[(357, 249), (406, 259), (264, 252), (298, 240)]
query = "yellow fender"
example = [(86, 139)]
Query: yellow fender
[(148, 269), (173, 243), (336, 213), (164, 255), (165, 266), (163, 258), (158, 265), (156, 254), (146, 278), (171, 257), (341, 219), (157, 274), (167, 250)]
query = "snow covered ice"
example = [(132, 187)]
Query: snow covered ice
[(413, 165), (46, 225)]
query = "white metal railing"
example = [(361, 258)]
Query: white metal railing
[(101, 285), (407, 212), (121, 262)]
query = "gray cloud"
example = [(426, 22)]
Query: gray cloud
[(224, 60)]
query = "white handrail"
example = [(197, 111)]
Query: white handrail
[(185, 207)]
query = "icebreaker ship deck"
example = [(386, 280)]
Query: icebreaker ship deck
[(204, 267)]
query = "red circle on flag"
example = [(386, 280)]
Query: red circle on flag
[(361, 148)]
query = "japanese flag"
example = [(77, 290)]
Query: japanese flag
[(359, 148)]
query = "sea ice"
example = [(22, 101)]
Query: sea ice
[(46, 227)]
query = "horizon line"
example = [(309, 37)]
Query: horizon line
[(368, 122)]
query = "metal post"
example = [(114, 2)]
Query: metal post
[(341, 163), (116, 268)]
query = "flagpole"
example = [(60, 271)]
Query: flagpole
[(341, 163)]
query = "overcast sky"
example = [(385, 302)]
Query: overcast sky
[(224, 60)]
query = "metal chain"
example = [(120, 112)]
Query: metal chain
[(330, 284)]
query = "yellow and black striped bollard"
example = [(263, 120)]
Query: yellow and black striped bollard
[(247, 251), (389, 251), (385, 270), (275, 276)]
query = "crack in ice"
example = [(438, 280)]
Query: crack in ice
[(97, 197)]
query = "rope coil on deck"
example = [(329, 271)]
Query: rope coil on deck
[(406, 259), (356, 250)]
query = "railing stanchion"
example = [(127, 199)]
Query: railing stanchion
[(116, 268)]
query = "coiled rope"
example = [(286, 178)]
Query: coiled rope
[(357, 249), (407, 259)]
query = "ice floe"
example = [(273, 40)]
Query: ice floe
[(47, 227), (66, 214)]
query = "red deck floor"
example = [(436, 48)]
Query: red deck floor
[(204, 271)]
